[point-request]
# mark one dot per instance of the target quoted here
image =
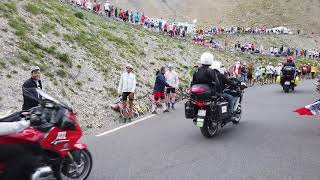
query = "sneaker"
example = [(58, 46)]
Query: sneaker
[(124, 120), (129, 120), (154, 112), (165, 111)]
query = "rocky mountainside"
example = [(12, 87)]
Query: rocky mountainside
[(82, 55), (295, 14)]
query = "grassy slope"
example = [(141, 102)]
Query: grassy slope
[(82, 55)]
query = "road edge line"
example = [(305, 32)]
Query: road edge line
[(124, 126)]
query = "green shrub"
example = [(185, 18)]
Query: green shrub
[(113, 92), (68, 37), (15, 72), (78, 83), (2, 65), (61, 73), (55, 82), (164, 59), (65, 59), (50, 50), (25, 57), (19, 25), (181, 47), (79, 66), (8, 8), (9, 76), (32, 8), (79, 15), (47, 27)]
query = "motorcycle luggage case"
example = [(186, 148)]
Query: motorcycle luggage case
[(201, 92), (189, 110), (223, 108)]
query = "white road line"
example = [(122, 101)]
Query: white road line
[(124, 126)]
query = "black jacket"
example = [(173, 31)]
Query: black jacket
[(204, 75), (289, 64), (28, 91), (160, 83), (224, 81)]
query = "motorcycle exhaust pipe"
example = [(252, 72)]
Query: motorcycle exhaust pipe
[(43, 173)]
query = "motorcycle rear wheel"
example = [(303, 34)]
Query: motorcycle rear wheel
[(209, 129), (238, 116), (68, 170), (286, 89)]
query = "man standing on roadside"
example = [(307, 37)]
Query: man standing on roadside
[(159, 87), (172, 79), (30, 95), (127, 87)]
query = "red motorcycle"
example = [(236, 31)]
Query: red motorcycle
[(57, 133)]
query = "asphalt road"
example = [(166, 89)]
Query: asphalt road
[(271, 142)]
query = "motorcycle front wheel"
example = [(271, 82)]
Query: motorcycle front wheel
[(76, 170), (209, 129)]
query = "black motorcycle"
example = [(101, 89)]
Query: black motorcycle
[(288, 78), (209, 109)]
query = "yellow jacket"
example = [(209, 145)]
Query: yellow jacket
[(313, 69)]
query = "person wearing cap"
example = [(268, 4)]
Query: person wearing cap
[(172, 78), (30, 96), (126, 89)]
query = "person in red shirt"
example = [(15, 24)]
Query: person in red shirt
[(174, 29), (252, 47), (142, 19), (165, 28)]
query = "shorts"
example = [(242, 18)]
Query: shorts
[(158, 94), (258, 77), (269, 75), (125, 96), (171, 90)]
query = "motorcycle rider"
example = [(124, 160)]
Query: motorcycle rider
[(289, 63), (206, 75), (20, 159)]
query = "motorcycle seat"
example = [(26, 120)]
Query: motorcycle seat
[(8, 117)]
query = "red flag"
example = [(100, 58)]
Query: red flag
[(310, 110)]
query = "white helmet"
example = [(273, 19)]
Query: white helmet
[(207, 59), (217, 66)]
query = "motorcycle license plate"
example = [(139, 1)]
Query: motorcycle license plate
[(200, 122), (224, 109), (287, 83), (202, 113)]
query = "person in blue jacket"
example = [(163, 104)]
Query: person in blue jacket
[(159, 88)]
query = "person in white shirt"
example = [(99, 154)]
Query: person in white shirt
[(107, 8), (172, 78), (258, 75), (127, 87), (278, 69), (269, 73)]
